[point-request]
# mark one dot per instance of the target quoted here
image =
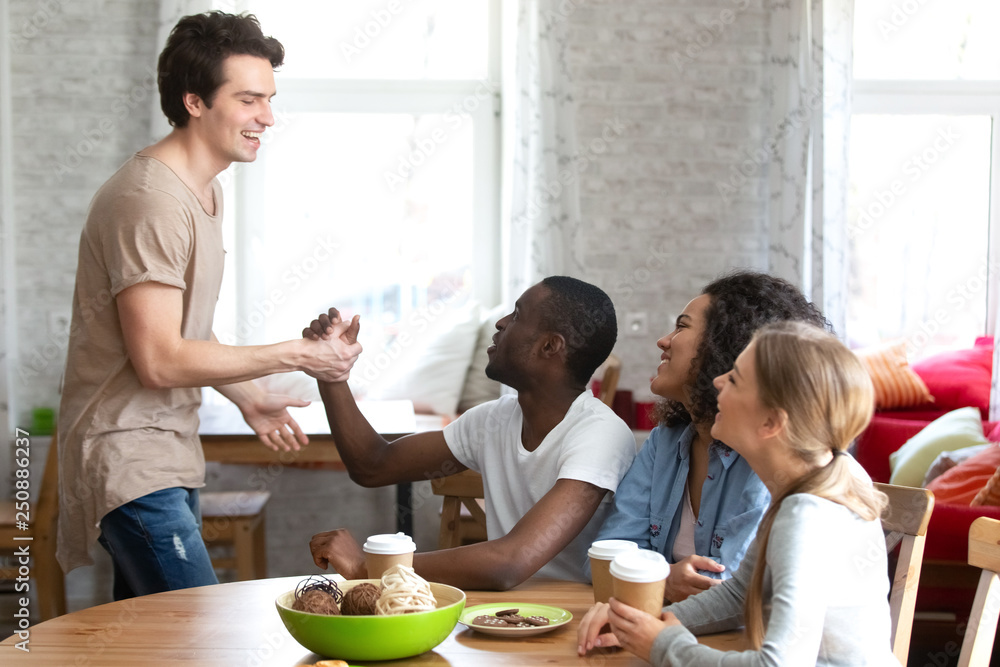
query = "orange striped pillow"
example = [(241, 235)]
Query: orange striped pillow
[(989, 494), (896, 385)]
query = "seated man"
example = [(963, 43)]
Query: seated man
[(549, 456)]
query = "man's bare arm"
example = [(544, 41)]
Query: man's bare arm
[(537, 538), (373, 461), (151, 315), (498, 564)]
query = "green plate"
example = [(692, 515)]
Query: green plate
[(557, 616), (373, 637)]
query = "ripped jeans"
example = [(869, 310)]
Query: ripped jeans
[(155, 544)]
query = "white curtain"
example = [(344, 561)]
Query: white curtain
[(542, 209), (808, 84)]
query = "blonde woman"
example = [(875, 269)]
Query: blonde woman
[(813, 588)]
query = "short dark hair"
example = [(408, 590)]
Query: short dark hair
[(741, 303), (192, 60), (584, 315)]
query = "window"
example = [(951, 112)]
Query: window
[(376, 190), (923, 236)]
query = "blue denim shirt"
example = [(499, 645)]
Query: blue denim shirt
[(647, 507)]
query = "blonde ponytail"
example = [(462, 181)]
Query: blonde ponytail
[(828, 397)]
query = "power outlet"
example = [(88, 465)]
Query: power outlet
[(636, 324)]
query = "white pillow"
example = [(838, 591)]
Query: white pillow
[(427, 362), (478, 388)]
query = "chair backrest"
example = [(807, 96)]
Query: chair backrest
[(609, 380), (466, 484), (984, 552), (905, 522), (463, 488)]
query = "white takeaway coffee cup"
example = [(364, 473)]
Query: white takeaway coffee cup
[(601, 553), (639, 579), (384, 551)]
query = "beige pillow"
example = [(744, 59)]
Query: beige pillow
[(428, 362)]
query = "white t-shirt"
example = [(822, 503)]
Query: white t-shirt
[(590, 444)]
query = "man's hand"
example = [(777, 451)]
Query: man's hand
[(268, 417), (685, 581), (322, 328), (636, 630), (341, 551), (335, 345)]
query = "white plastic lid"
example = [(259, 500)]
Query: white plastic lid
[(608, 549), (399, 543), (640, 566)]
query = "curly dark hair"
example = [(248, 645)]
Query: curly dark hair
[(192, 60), (584, 315), (741, 302)]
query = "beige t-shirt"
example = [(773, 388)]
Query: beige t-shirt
[(119, 441)]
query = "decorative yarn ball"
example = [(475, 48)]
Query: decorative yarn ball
[(360, 600), (317, 601), (404, 592)]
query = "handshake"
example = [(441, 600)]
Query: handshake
[(331, 347)]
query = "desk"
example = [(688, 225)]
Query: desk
[(237, 624), (226, 438)]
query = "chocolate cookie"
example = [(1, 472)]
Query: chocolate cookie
[(493, 621)]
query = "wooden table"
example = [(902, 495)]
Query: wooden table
[(237, 624), (226, 438)]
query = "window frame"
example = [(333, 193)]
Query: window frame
[(953, 98), (418, 96)]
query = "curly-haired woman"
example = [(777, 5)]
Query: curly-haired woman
[(688, 495)]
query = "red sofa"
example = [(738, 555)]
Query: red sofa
[(947, 546), (955, 379)]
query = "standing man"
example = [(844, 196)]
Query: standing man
[(551, 457), (141, 343)]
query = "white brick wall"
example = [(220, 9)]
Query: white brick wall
[(81, 100), (687, 91)]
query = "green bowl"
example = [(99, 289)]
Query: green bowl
[(373, 637)]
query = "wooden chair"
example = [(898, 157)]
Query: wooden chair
[(905, 522), (236, 518), (609, 380), (984, 552), (46, 575), (462, 490)]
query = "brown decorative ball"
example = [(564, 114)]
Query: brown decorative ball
[(316, 601), (360, 600)]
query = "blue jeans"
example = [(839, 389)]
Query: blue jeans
[(155, 544)]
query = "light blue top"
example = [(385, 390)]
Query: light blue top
[(825, 596), (648, 501)]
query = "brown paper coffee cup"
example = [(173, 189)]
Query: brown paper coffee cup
[(378, 563), (600, 574), (647, 596), (601, 553), (639, 579), (384, 551)]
